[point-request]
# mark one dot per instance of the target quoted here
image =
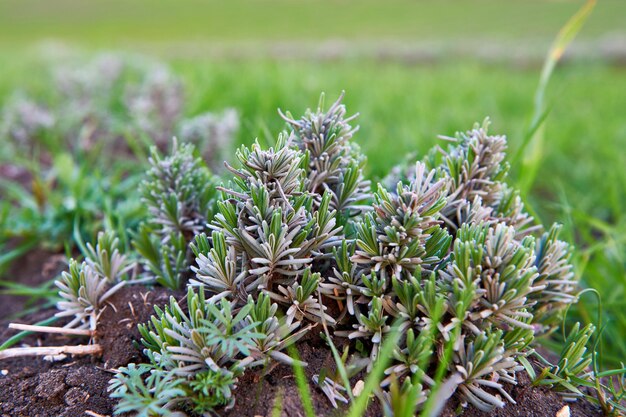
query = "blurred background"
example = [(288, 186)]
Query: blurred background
[(412, 69)]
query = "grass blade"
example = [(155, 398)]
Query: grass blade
[(531, 148), (7, 257), (373, 380), (302, 383)]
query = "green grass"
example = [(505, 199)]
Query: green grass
[(115, 23)]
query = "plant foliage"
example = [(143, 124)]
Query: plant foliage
[(447, 263)]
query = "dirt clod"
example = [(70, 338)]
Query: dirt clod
[(51, 384)]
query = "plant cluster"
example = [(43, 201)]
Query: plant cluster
[(87, 285), (272, 229), (179, 192), (447, 266), (449, 259)]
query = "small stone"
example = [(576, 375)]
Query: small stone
[(4, 372), (358, 388), (563, 412)]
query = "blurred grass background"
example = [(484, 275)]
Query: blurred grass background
[(116, 22), (413, 69)]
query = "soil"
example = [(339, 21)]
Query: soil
[(33, 269), (530, 402), (34, 387), (259, 392)]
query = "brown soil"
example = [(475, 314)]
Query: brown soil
[(530, 402), (33, 269), (259, 392), (33, 387)]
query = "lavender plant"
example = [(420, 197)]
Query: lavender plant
[(474, 164), (85, 287), (83, 292), (106, 259), (333, 162), (272, 227), (269, 232), (178, 191), (448, 258), (23, 121), (200, 354), (452, 254), (86, 91)]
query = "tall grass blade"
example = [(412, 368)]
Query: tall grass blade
[(302, 383), (376, 375), (341, 369), (7, 257), (530, 151)]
